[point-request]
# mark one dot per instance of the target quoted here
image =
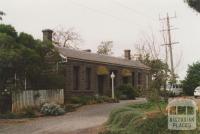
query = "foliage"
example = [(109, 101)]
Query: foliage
[(8, 30), (192, 79), (51, 81), (158, 70), (28, 112), (105, 48), (195, 4), (126, 91), (1, 14), (71, 107), (24, 56), (102, 70), (141, 119), (52, 109), (168, 93), (126, 72), (133, 119), (66, 37), (160, 74), (88, 100)]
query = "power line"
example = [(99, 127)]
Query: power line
[(104, 13), (133, 10)]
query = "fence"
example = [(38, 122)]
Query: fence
[(31, 98)]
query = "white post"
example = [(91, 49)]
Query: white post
[(113, 92), (25, 82)]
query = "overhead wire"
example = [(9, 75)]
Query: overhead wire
[(133, 10), (104, 13)]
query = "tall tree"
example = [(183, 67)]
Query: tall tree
[(105, 48), (1, 14), (23, 56), (66, 37), (192, 79), (195, 4), (9, 30), (149, 52)]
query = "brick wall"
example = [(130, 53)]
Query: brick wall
[(69, 91)]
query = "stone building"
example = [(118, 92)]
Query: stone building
[(88, 73)]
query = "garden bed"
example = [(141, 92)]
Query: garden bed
[(141, 119), (50, 109)]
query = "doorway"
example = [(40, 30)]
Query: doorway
[(101, 79)]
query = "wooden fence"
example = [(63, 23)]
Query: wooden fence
[(32, 98)]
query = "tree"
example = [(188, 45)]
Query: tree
[(192, 79), (149, 45), (66, 37), (1, 14), (23, 56), (195, 4), (9, 30), (105, 48), (149, 53)]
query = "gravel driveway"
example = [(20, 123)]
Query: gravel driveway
[(85, 117)]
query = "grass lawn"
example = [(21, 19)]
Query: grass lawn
[(141, 119)]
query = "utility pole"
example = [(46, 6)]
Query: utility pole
[(169, 43)]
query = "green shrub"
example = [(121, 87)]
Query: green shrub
[(126, 91), (140, 119), (88, 100), (52, 109), (11, 116), (75, 100), (30, 112), (71, 107)]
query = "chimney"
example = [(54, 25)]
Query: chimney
[(87, 50), (127, 54), (47, 34)]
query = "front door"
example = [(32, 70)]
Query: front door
[(100, 84)]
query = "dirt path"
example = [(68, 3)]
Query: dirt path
[(87, 118)]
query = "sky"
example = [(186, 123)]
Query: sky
[(125, 22)]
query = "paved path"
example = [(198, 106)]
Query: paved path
[(85, 117)]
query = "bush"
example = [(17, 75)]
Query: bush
[(29, 112), (107, 99), (192, 79), (11, 116), (52, 109), (126, 91), (75, 100), (88, 100), (137, 119), (71, 107)]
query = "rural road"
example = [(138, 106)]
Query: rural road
[(85, 117)]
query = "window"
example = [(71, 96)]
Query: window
[(139, 78), (76, 78), (88, 78), (133, 79)]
